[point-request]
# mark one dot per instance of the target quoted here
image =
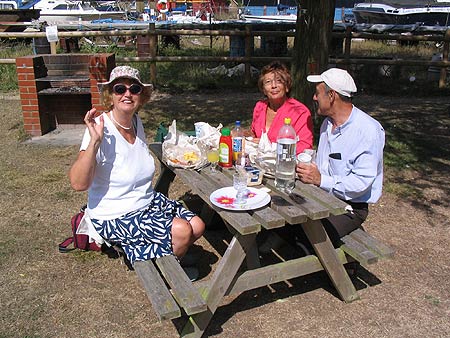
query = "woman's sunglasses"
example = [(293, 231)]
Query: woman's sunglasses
[(120, 89)]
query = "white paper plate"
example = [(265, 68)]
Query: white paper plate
[(224, 198)]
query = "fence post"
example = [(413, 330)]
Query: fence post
[(153, 45), (53, 47), (348, 45), (444, 58), (248, 54)]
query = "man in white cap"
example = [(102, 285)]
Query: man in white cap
[(349, 161)]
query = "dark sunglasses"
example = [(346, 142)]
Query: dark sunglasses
[(120, 89)]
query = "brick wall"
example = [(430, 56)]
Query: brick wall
[(100, 66), (42, 109)]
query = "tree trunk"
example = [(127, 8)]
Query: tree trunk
[(315, 20)]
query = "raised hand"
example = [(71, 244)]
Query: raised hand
[(95, 129)]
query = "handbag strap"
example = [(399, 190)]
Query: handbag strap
[(63, 246)]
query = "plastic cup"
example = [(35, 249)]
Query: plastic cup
[(311, 152), (304, 158)]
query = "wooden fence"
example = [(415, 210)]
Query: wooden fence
[(248, 35)]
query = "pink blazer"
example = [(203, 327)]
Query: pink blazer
[(300, 120)]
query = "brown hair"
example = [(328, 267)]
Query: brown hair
[(279, 69), (107, 94)]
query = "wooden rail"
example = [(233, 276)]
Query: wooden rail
[(247, 59)]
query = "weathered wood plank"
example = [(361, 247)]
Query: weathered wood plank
[(268, 217), (162, 301), (274, 273), (184, 291), (335, 205), (372, 244), (241, 221), (310, 207), (292, 213), (358, 251)]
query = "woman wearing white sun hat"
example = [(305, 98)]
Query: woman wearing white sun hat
[(115, 166)]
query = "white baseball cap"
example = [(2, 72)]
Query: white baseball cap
[(337, 79)]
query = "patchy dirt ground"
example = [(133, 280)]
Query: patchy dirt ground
[(47, 294)]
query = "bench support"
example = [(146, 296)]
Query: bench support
[(326, 254), (364, 248), (157, 292), (220, 282)]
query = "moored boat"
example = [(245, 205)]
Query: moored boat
[(403, 12), (12, 18), (56, 11)]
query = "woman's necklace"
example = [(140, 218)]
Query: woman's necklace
[(115, 121)]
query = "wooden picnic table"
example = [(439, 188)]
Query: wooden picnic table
[(305, 207)]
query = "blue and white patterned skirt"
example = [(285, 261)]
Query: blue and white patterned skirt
[(146, 233)]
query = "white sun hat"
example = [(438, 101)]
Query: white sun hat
[(337, 79), (124, 72)]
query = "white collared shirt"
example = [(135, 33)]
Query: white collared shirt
[(350, 158)]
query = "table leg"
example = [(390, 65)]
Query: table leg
[(207, 214), (164, 180), (328, 258), (166, 176), (252, 258), (220, 282)]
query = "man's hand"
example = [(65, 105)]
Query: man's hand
[(308, 173)]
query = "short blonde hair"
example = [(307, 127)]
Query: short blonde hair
[(107, 93)]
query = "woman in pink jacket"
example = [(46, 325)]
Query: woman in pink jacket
[(275, 82)]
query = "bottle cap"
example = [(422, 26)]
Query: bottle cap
[(225, 132), (238, 123), (287, 120)]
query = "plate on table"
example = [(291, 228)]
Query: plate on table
[(224, 198)]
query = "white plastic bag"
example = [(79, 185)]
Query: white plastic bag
[(181, 150)]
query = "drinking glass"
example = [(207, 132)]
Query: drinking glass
[(241, 161), (213, 157), (240, 184)]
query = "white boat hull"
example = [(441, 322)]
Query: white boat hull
[(270, 18), (55, 11)]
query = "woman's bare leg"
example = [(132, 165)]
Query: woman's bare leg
[(184, 233)]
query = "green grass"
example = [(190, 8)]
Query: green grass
[(8, 77), (405, 191), (374, 48), (433, 300)]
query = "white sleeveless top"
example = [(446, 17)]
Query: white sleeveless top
[(123, 176)]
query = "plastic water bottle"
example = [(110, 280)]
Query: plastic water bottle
[(285, 165), (237, 135)]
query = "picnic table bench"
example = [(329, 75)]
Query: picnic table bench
[(171, 292)]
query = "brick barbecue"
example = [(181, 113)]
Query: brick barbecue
[(59, 89)]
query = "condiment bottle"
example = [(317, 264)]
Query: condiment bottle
[(225, 149)]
